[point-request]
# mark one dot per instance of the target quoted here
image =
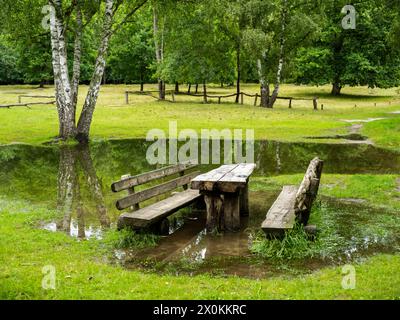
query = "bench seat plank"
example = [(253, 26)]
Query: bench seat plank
[(281, 216), (159, 210)]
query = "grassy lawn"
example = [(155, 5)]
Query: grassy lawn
[(83, 271), (114, 119)]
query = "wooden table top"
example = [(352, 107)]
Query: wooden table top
[(226, 178)]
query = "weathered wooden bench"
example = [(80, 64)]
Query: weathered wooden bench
[(155, 215), (294, 203)]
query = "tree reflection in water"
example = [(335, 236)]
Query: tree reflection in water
[(76, 174)]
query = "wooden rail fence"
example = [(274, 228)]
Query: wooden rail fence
[(150, 93), (24, 104), (219, 97), (33, 96)]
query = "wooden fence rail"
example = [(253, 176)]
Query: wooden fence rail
[(33, 96), (314, 100), (149, 93), (205, 96), (24, 104)]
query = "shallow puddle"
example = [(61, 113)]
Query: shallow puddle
[(348, 232), (75, 181)]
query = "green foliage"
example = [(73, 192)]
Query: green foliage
[(365, 56), (34, 60), (9, 72), (132, 52), (313, 66), (196, 50)]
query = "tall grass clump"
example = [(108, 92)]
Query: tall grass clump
[(295, 244), (128, 239)]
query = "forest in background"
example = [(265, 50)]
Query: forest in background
[(214, 42)]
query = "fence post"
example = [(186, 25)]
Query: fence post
[(19, 99), (219, 100), (315, 103), (290, 103), (173, 96), (241, 98), (255, 100), (126, 97)]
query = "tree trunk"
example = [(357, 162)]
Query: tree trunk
[(336, 88), (281, 55), (141, 86), (159, 52), (56, 70), (85, 119), (104, 76), (238, 73), (189, 87), (197, 88), (264, 85), (61, 75), (264, 92), (205, 92), (176, 87), (77, 61)]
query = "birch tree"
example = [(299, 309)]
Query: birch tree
[(158, 33), (66, 86), (277, 30)]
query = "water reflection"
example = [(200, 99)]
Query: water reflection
[(76, 173), (76, 180)]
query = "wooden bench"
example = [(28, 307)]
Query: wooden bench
[(155, 215), (294, 203)]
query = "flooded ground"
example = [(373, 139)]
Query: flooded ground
[(76, 181)]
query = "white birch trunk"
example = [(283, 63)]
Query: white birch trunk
[(264, 85), (281, 55), (56, 68), (61, 76), (77, 61), (86, 116), (159, 44)]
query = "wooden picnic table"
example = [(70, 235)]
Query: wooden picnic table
[(225, 191)]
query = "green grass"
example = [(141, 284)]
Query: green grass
[(114, 119), (370, 214), (385, 133), (127, 238), (81, 273), (295, 244), (377, 190), (83, 268)]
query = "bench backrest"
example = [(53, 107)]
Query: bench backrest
[(134, 198)]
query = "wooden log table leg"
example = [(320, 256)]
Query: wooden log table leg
[(244, 201), (214, 211), (232, 211)]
